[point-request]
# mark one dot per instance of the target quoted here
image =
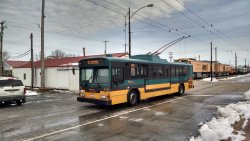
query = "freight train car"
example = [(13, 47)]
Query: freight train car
[(219, 69), (201, 69), (228, 70)]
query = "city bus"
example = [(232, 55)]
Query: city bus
[(110, 81)]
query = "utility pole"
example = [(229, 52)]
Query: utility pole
[(170, 56), (215, 53), (211, 62), (199, 57), (42, 47), (245, 62), (32, 61), (125, 31), (129, 34), (105, 51), (129, 27), (235, 63), (1, 48), (83, 49)]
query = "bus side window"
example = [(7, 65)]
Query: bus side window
[(160, 72), (117, 75), (178, 71), (134, 71), (185, 70), (166, 73), (144, 71), (155, 70), (172, 71)]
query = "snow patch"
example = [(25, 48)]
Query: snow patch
[(247, 95), (31, 93), (234, 77), (123, 117), (159, 113), (100, 124), (221, 128), (209, 79), (136, 119), (70, 64), (61, 91)]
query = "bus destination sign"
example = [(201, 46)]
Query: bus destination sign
[(93, 62)]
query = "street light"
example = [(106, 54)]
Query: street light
[(129, 28)]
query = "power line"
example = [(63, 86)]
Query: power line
[(202, 19), (21, 55), (194, 13), (169, 30)]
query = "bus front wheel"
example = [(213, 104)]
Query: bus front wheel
[(132, 98), (181, 90)]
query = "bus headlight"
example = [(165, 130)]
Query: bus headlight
[(103, 97), (82, 94)]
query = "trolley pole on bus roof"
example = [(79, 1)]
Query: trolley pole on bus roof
[(211, 62)]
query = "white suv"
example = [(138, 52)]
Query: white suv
[(12, 90)]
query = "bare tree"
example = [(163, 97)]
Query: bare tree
[(70, 55), (38, 56), (6, 55), (58, 53)]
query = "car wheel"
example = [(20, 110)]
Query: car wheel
[(18, 102)]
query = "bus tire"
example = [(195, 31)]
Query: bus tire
[(181, 89), (132, 98)]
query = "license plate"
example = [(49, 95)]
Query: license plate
[(92, 95)]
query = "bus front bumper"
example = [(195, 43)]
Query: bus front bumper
[(94, 101)]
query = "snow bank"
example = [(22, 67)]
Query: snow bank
[(247, 95), (221, 128), (61, 91), (30, 93), (234, 77), (209, 79)]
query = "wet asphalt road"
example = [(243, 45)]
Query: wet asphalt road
[(171, 118)]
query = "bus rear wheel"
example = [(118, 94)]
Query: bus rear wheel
[(181, 89), (132, 98)]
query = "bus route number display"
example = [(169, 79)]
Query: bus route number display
[(93, 62)]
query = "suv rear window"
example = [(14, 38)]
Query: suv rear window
[(4, 83)]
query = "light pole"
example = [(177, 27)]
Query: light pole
[(129, 27)]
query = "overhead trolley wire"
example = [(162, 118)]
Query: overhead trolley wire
[(211, 25)]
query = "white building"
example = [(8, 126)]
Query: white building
[(9, 65), (60, 73)]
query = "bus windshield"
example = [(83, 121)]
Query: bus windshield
[(95, 75)]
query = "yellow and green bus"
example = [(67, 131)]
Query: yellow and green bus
[(110, 81)]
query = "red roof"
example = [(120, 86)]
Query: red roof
[(16, 64), (65, 61)]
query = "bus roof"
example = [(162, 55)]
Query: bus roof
[(129, 60)]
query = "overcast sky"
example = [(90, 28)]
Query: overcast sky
[(71, 25)]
